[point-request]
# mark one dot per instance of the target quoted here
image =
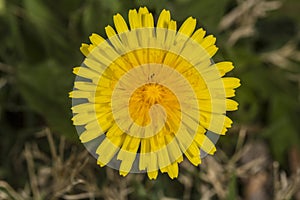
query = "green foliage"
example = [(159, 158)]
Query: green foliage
[(232, 193), (208, 13), (45, 90)]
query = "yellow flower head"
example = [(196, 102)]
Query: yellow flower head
[(148, 96)]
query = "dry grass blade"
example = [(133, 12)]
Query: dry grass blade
[(215, 174), (31, 171), (284, 56), (85, 195), (285, 187), (6, 68), (57, 177), (51, 144), (245, 16), (3, 82), (121, 188), (7, 191), (188, 184)]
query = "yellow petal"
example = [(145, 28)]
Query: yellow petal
[(153, 162), (164, 19), (143, 16), (134, 144), (110, 32), (230, 92), (115, 41), (126, 165), (188, 26), (96, 39), (231, 105), (193, 154), (106, 122), (92, 125), (84, 107), (89, 135), (152, 175), (193, 150), (147, 20), (189, 120), (170, 38), (84, 49), (85, 86), (205, 143), (107, 149), (228, 122), (127, 159), (173, 148), (163, 158), (199, 35), (76, 70), (172, 170), (126, 143), (143, 10), (224, 130), (224, 67), (78, 94), (208, 41), (134, 20), (230, 82), (114, 131), (86, 73), (100, 99), (95, 64), (184, 139), (120, 24), (162, 25), (83, 118), (212, 50), (154, 144), (180, 159), (144, 156), (172, 25)]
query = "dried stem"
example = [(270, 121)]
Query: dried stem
[(10, 191), (31, 172)]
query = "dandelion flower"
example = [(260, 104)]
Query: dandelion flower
[(150, 95)]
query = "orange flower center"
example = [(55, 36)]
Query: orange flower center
[(148, 95)]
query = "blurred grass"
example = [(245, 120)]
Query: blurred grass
[(40, 43)]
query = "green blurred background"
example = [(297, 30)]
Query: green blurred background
[(39, 46)]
